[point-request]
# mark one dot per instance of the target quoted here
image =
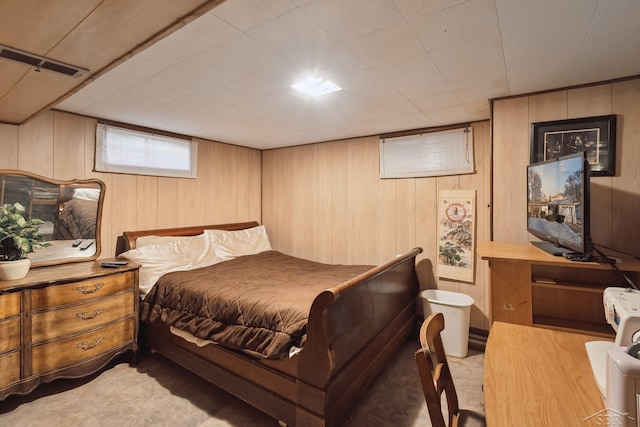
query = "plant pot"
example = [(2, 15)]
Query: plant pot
[(12, 270)]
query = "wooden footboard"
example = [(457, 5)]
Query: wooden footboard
[(344, 319), (353, 330)]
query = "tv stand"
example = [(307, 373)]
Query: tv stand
[(530, 287), (551, 248)]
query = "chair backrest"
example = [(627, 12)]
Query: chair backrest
[(435, 375)]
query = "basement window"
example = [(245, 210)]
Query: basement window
[(123, 150), (437, 153)]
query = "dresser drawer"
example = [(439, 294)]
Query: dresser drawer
[(9, 334), (56, 323), (81, 291), (9, 368), (69, 351), (9, 305)]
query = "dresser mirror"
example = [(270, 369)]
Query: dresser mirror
[(70, 210)]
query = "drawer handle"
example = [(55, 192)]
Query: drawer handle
[(85, 316), (86, 290), (88, 346)]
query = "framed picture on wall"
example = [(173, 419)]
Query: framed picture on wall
[(595, 135)]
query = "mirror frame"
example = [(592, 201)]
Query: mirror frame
[(73, 182)]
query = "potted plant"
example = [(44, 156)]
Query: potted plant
[(18, 237)]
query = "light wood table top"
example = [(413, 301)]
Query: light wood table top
[(526, 252), (538, 377)]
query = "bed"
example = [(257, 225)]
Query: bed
[(77, 215), (329, 345)]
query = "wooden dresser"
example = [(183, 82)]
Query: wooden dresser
[(67, 321)]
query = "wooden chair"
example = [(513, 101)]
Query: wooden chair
[(42, 196), (435, 375)]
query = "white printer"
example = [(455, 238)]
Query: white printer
[(622, 310), (617, 372)]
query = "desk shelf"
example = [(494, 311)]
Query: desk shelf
[(573, 306), (531, 287), (596, 288), (598, 329)]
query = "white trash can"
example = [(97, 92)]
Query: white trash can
[(456, 308)]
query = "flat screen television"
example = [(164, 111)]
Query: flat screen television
[(558, 205)]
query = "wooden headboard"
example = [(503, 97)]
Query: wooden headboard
[(128, 239)]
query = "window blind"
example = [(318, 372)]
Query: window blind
[(440, 153), (122, 150)]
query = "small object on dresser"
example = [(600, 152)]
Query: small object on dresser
[(85, 245), (113, 264), (76, 243)]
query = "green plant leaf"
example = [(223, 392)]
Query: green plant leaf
[(19, 235)]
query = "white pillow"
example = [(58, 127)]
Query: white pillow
[(158, 240), (180, 255), (92, 194), (239, 242)]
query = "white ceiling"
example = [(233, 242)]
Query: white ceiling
[(402, 64)]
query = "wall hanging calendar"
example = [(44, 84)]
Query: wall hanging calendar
[(456, 234)]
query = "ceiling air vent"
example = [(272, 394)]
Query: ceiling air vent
[(40, 62)]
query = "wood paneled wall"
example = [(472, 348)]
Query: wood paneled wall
[(61, 146), (615, 201), (326, 202)]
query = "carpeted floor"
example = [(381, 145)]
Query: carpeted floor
[(156, 392)]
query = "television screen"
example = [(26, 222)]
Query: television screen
[(558, 204)]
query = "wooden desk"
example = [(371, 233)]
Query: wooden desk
[(538, 377), (531, 287)]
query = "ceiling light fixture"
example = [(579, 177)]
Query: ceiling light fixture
[(316, 86)]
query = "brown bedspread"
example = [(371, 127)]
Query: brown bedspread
[(79, 217), (259, 303)]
